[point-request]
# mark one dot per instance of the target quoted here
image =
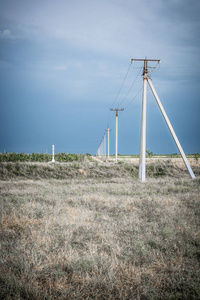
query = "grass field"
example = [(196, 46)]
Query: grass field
[(92, 230)]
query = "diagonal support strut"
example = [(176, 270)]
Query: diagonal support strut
[(171, 129)]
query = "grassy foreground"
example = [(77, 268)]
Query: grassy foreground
[(94, 231)]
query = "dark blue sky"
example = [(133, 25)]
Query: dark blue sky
[(62, 64)]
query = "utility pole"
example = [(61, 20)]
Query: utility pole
[(116, 141), (142, 167), (108, 141), (53, 159), (146, 78)]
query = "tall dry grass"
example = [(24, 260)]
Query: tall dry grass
[(98, 232)]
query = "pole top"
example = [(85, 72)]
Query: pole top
[(144, 59), (117, 109)]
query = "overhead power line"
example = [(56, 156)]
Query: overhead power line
[(134, 97), (130, 87), (122, 85)]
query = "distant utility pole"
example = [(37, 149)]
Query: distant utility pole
[(116, 141), (108, 141), (53, 159), (146, 78)]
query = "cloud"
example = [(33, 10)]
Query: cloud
[(6, 34)]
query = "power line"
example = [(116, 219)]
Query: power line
[(140, 68), (133, 98), (122, 84), (131, 101), (130, 87)]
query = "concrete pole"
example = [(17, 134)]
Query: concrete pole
[(171, 129), (53, 160), (116, 141), (142, 168)]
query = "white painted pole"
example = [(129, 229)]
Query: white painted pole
[(171, 129), (116, 144), (116, 140), (53, 160), (142, 168)]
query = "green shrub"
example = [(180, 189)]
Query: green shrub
[(39, 157)]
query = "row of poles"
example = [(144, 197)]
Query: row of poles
[(102, 147), (142, 165)]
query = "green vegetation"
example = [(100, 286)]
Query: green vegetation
[(40, 157), (149, 153), (85, 230)]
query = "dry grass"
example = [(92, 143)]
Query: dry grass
[(94, 231)]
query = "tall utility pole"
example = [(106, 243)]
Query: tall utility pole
[(142, 167), (116, 141), (108, 141), (146, 79)]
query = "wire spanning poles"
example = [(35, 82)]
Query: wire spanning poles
[(116, 141)]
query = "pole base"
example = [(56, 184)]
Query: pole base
[(53, 162), (190, 170), (142, 171)]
